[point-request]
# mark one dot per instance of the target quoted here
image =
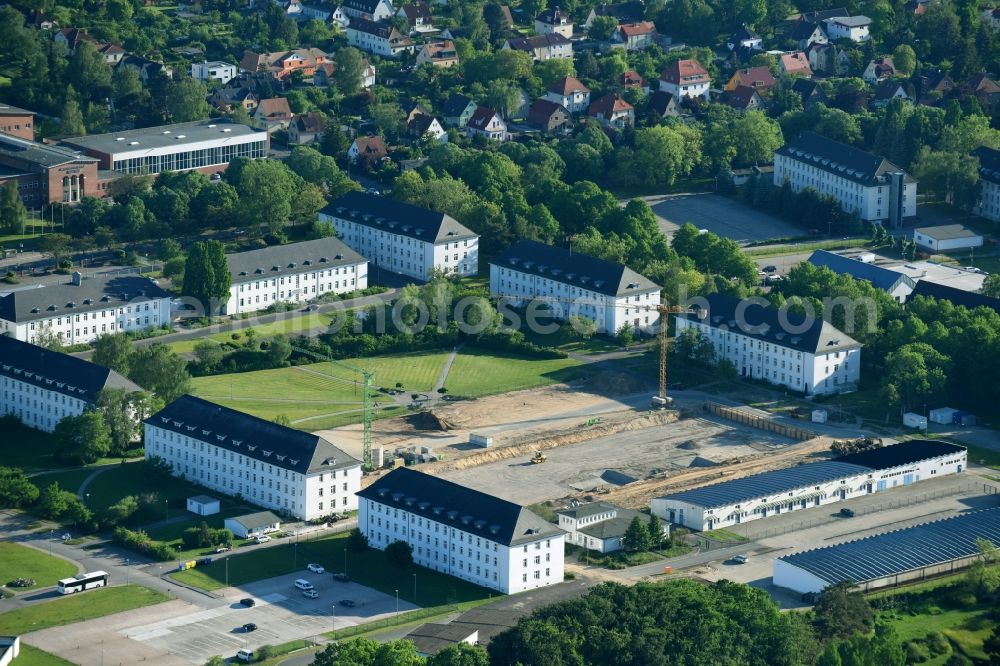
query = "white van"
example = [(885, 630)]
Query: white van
[(303, 584), (245, 655)]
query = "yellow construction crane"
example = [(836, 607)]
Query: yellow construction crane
[(661, 400)]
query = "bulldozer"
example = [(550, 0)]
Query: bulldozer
[(538, 458)]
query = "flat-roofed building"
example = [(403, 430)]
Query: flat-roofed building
[(947, 238), (462, 532), (215, 70), (268, 464), (402, 238), (49, 174), (80, 310), (293, 273), (206, 145), (897, 285)]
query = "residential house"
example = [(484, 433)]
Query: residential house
[(879, 69), (550, 117), (282, 64), (988, 204), (370, 10), (759, 78), (805, 33), (319, 13), (600, 526), (379, 38), (828, 58), (414, 241), (272, 114), (504, 547), (554, 21), (323, 76), (610, 294), (633, 80), (984, 89), (543, 47), (890, 89), (916, 7), (439, 54), (896, 284), (785, 349), (73, 37), (934, 86), (458, 109), (148, 69), (871, 186), (854, 28), (569, 93), (367, 151), (811, 92), (745, 38), (795, 64), (685, 78), (293, 8), (422, 125), (227, 99), (215, 70), (613, 111), (219, 448), (338, 17), (626, 12), (635, 36), (743, 99), (487, 123), (418, 17), (664, 104), (307, 127), (991, 17)]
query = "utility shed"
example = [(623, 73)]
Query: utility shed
[(895, 557), (253, 524), (947, 237), (203, 505)]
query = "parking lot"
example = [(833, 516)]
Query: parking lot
[(720, 215), (180, 633)]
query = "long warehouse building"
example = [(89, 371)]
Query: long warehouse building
[(883, 560), (812, 484)]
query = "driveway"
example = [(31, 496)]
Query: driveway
[(720, 215)]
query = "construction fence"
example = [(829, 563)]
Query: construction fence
[(755, 420)]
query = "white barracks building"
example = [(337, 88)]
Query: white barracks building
[(402, 238), (462, 532), (812, 357), (42, 387), (875, 188), (270, 465), (84, 308), (610, 294), (293, 273)]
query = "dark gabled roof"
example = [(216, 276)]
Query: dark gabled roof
[(62, 300), (376, 28), (366, 6), (55, 371), (900, 551), (253, 521), (804, 30), (542, 110), (880, 278), (613, 528), (756, 77), (663, 102), (783, 481), (456, 105), (40, 154), (313, 122), (807, 88), (947, 232), (824, 14), (397, 217), (838, 158), (959, 297), (765, 324), (989, 163), (469, 510), (482, 117), (241, 433), (529, 44), (567, 85), (554, 16), (280, 260), (888, 88), (573, 268), (625, 12), (608, 106), (744, 32), (740, 98), (416, 10), (433, 638)]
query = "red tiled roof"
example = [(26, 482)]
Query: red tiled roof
[(795, 62), (608, 105), (568, 85), (370, 145), (633, 79), (758, 77), (690, 71), (636, 29)]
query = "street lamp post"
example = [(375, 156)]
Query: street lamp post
[(52, 536), (227, 572), (414, 589), (178, 556), (295, 549), (345, 561), (166, 509), (128, 571), (87, 500), (333, 617), (397, 603)]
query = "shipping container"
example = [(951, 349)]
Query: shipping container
[(942, 415), (918, 421)]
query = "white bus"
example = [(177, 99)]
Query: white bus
[(84, 581)]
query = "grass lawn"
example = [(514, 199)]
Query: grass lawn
[(68, 480), (17, 561), (371, 568), (32, 656), (77, 608), (31, 450), (292, 326), (795, 248), (478, 373), (171, 534), (117, 482)]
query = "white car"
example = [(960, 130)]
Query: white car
[(741, 559), (262, 538), (312, 594), (316, 568)]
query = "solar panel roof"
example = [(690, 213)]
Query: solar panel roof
[(900, 551), (768, 483)]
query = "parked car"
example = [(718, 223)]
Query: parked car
[(312, 594), (223, 549), (348, 602), (261, 538), (770, 269), (249, 626), (315, 568), (248, 602), (303, 584), (741, 559), (342, 577), (244, 655), (847, 513)]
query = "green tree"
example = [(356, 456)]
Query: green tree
[(88, 72), (16, 490), (115, 407), (266, 188), (56, 246), (53, 501), (349, 74), (209, 354), (751, 12), (399, 553), (186, 100), (388, 118), (461, 654), (636, 536), (113, 350), (655, 528), (121, 511), (282, 420), (991, 285), (841, 612), (952, 176), (168, 249), (215, 661), (602, 27), (916, 372), (357, 542), (503, 96), (206, 275), (12, 210), (157, 369), (82, 439), (755, 138), (904, 59), (991, 646), (626, 335), (662, 154), (983, 577), (365, 652)]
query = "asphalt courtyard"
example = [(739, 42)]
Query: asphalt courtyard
[(720, 215), (180, 633)]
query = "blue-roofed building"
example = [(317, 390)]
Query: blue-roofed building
[(810, 485), (895, 284), (913, 553)]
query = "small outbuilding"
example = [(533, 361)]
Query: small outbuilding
[(203, 505), (431, 638), (253, 524), (947, 237), (599, 526)]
